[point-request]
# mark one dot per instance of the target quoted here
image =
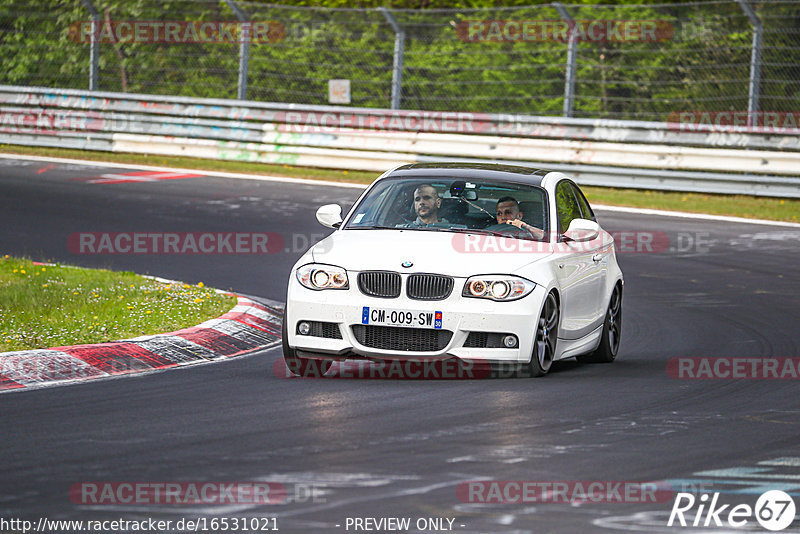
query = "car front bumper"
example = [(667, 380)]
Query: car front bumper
[(460, 315)]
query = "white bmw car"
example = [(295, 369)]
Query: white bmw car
[(489, 264)]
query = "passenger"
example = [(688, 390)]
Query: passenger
[(507, 212)]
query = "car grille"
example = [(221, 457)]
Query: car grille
[(476, 340), (381, 284), (323, 329), (405, 339), (485, 340), (429, 286)]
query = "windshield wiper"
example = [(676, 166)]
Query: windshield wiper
[(372, 227), (479, 231), (514, 235), (381, 227)]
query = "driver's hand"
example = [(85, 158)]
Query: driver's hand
[(536, 233)]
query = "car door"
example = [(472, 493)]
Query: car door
[(577, 268), (601, 251)]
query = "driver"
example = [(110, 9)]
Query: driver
[(426, 205), (507, 212)]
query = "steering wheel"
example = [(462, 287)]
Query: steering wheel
[(399, 213), (505, 228)]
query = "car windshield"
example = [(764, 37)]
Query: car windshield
[(454, 205)]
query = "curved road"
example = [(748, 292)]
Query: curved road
[(395, 448)]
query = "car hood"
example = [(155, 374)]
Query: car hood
[(456, 254)]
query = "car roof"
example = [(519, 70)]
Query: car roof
[(490, 171)]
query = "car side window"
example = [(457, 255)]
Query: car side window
[(567, 208), (586, 210)]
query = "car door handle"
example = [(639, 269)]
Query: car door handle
[(597, 257)]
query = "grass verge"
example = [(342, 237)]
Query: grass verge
[(45, 306), (749, 207), (777, 209)]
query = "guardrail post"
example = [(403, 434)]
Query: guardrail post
[(572, 56), (755, 62), (399, 52), (244, 48), (94, 47)]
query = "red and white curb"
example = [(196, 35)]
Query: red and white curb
[(247, 327)]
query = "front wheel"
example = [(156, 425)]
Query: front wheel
[(544, 348), (607, 351), (306, 367)]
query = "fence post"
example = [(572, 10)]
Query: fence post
[(399, 51), (572, 55), (244, 48), (755, 63), (94, 47)]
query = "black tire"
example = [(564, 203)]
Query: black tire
[(544, 346), (607, 351), (305, 367)]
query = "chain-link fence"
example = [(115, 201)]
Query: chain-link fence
[(644, 62)]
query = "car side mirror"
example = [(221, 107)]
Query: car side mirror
[(582, 230), (330, 215)]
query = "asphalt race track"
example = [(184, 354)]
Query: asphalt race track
[(360, 448)]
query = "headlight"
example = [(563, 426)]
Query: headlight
[(499, 287), (317, 276)]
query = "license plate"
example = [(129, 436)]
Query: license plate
[(409, 318)]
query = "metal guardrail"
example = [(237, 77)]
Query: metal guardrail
[(739, 160)]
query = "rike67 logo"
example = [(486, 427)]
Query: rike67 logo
[(774, 510)]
